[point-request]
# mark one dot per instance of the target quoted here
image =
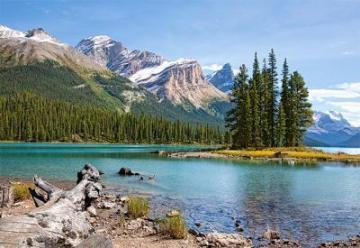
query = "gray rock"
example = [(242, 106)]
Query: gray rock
[(92, 211)]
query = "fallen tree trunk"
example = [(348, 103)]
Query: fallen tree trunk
[(62, 221)]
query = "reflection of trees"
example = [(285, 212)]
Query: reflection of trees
[(268, 203)]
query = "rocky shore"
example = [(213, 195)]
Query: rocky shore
[(111, 226)]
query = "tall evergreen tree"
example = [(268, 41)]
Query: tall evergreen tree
[(272, 100), (255, 104), (239, 119), (281, 127), (264, 115), (301, 113), (285, 105)]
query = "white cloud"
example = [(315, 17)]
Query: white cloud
[(344, 98)]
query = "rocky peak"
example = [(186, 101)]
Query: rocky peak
[(181, 82), (331, 121), (40, 35), (223, 79), (117, 57)]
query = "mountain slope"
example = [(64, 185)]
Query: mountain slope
[(223, 79), (354, 141), (181, 82)]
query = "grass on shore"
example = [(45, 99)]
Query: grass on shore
[(21, 191), (291, 152), (138, 207), (174, 226)]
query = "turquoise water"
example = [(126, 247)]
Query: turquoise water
[(310, 204)]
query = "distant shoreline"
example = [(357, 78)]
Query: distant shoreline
[(290, 156)]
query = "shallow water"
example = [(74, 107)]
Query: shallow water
[(311, 204)]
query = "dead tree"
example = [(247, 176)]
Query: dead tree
[(60, 221)]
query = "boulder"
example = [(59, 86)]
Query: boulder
[(126, 172), (271, 234), (173, 213)]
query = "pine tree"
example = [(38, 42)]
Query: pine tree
[(285, 105), (264, 109), (239, 119), (281, 127), (272, 100), (301, 113), (255, 104)]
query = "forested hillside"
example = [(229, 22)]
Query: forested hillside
[(27, 117)]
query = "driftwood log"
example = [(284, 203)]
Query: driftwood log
[(60, 221)]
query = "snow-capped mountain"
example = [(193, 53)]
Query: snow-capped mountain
[(223, 79), (181, 81), (331, 129), (116, 57), (37, 45)]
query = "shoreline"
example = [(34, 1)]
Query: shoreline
[(308, 156), (142, 231)]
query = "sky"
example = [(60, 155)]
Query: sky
[(319, 38)]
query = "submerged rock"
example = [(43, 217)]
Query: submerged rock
[(271, 234), (127, 172)]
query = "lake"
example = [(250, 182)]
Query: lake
[(307, 203)]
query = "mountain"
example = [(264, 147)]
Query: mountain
[(38, 63), (19, 48), (222, 79), (331, 129), (116, 57), (181, 82)]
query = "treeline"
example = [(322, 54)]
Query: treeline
[(265, 116), (27, 117)]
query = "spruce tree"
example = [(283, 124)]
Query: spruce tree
[(301, 113), (255, 104), (272, 101), (281, 127), (264, 109), (239, 118), (285, 104)]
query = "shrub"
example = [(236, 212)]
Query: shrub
[(21, 191), (138, 207), (175, 227)]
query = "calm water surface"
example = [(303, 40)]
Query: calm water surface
[(311, 204)]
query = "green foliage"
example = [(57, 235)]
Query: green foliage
[(27, 117), (239, 120), (258, 118), (48, 79), (138, 207)]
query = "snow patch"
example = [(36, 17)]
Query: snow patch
[(6, 32), (147, 73)]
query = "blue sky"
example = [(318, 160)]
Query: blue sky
[(320, 38)]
